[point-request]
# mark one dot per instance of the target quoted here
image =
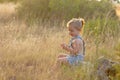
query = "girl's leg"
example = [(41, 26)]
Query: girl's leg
[(62, 60), (62, 55), (59, 62)]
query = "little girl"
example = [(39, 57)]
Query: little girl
[(76, 48)]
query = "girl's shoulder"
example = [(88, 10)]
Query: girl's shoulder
[(77, 40)]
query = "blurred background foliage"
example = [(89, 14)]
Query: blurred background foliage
[(34, 26), (100, 17), (64, 9), (101, 20)]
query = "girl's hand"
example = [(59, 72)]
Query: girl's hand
[(63, 45)]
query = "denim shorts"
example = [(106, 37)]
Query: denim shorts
[(75, 59)]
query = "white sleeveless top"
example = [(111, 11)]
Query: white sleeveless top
[(82, 52)]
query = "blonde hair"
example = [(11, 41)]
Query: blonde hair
[(78, 23)]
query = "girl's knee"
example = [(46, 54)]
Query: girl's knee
[(62, 60), (59, 60), (62, 55)]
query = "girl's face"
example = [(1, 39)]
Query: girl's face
[(73, 31)]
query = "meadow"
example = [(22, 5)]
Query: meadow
[(28, 52)]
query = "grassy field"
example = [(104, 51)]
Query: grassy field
[(29, 52)]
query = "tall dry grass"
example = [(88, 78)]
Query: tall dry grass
[(29, 52), (7, 11)]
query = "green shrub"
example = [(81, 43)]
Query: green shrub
[(35, 10), (100, 16), (1, 1), (102, 28)]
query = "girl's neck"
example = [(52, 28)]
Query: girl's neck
[(76, 35)]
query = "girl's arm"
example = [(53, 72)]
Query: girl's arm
[(75, 46)]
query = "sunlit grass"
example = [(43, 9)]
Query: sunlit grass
[(29, 52), (7, 11)]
